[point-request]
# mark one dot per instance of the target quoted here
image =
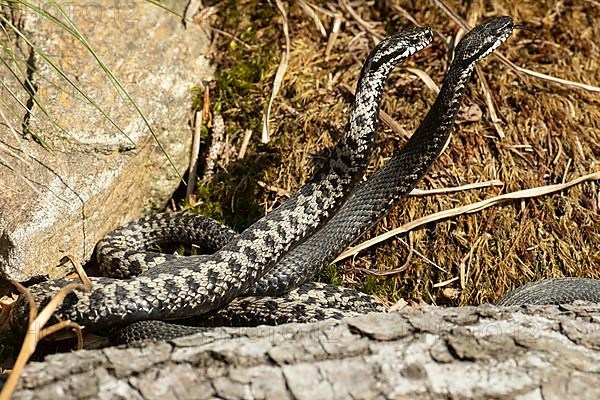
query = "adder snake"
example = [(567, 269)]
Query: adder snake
[(262, 274)]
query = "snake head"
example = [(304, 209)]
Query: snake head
[(482, 40), (395, 48)]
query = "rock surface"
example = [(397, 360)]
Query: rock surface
[(426, 353), (79, 172)]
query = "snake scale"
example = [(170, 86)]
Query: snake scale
[(262, 274)]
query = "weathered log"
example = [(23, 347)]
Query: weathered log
[(550, 352)]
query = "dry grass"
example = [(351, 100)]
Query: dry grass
[(37, 325), (551, 135)]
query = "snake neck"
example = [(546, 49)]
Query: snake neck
[(377, 195), (363, 120), (433, 133), (269, 238)]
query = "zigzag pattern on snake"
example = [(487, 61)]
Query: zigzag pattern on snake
[(287, 248), (196, 285)]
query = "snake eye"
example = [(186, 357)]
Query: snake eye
[(483, 39)]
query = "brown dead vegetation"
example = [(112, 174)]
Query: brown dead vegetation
[(546, 133)]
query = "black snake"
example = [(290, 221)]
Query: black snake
[(262, 273)]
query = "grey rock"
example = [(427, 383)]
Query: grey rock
[(90, 177)]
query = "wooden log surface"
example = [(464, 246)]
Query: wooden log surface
[(550, 352)]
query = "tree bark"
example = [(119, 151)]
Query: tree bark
[(550, 352)]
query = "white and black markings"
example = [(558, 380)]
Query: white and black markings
[(316, 220)]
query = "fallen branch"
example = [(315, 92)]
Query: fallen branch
[(468, 209), (279, 75), (453, 189)]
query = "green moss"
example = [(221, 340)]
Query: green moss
[(240, 78), (233, 196), (373, 284), (208, 202), (331, 275), (197, 93)]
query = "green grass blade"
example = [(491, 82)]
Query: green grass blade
[(64, 76)]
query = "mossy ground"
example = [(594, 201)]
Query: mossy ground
[(552, 134)]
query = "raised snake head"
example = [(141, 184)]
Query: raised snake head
[(482, 40), (396, 47)]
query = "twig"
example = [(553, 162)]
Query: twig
[(35, 331), (423, 256), (445, 283), (461, 188), (195, 150), (468, 209), (281, 69), (548, 78), (424, 76), (64, 325), (217, 145), (465, 271), (489, 102), (376, 37), (232, 37), (85, 279), (393, 124), (406, 14), (15, 155), (335, 30), (11, 128), (202, 118), (308, 10), (193, 7), (382, 272), (245, 142), (278, 191)]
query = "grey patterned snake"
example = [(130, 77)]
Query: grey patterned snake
[(262, 274)]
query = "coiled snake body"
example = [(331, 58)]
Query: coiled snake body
[(261, 274)]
